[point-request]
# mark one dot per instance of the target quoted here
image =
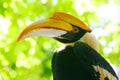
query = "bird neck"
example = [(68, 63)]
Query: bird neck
[(91, 40)]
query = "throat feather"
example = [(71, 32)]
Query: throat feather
[(91, 40)]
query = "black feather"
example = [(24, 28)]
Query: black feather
[(76, 63)]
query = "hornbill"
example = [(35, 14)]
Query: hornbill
[(78, 59)]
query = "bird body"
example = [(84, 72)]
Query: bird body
[(79, 59), (80, 62)]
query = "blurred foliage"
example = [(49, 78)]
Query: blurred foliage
[(30, 59)]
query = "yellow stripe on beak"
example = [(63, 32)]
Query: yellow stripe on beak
[(46, 24), (70, 19)]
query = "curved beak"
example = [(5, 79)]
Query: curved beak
[(59, 24), (47, 27)]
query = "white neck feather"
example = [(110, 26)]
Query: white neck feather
[(91, 40)]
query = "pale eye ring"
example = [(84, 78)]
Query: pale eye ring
[(75, 30)]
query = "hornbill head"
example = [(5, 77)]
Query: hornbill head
[(61, 26)]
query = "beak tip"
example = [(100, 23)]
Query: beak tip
[(18, 39)]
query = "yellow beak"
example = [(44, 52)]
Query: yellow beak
[(58, 24)]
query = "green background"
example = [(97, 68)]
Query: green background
[(30, 59)]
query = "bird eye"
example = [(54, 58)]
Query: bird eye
[(75, 30)]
